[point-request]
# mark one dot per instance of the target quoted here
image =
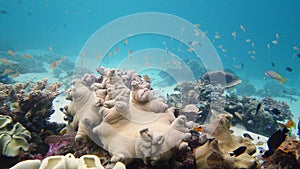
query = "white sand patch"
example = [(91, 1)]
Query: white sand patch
[(59, 102), (256, 138)]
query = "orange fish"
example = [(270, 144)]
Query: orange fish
[(116, 50), (15, 74), (11, 53), (4, 60), (55, 64), (7, 71), (27, 56), (147, 64), (63, 58), (130, 52), (50, 49), (198, 128)]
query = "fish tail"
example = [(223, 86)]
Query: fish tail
[(283, 80)]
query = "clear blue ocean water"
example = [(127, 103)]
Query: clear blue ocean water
[(67, 25)]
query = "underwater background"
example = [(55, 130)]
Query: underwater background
[(51, 39)]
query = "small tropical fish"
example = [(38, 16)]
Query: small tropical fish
[(2, 11), (268, 46), (130, 52), (238, 151), (272, 63), (15, 74), (126, 42), (63, 58), (198, 128), (164, 43), (248, 136), (258, 107), (11, 53), (238, 115), (248, 40), (275, 141), (27, 56), (197, 25), (290, 124), (55, 64), (217, 36), (110, 54), (276, 76), (7, 71), (275, 111), (4, 60), (289, 69), (253, 45), (220, 46), (117, 50), (296, 48), (243, 28), (275, 42), (197, 33), (277, 35), (224, 50), (98, 56), (190, 49), (50, 49), (234, 34), (253, 57), (147, 64), (260, 143)]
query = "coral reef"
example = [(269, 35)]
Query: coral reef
[(122, 108), (286, 156), (209, 97), (215, 151), (66, 162), (31, 105), (13, 137)]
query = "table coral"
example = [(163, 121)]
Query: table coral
[(128, 113), (13, 137)]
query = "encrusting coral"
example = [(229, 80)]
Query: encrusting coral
[(216, 150), (121, 115), (66, 162), (13, 137)]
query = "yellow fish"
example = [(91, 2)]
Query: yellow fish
[(289, 124), (276, 76)]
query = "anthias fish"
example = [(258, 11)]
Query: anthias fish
[(238, 151), (276, 76), (275, 141)]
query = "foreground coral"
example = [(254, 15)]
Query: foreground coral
[(65, 162), (121, 114), (219, 143)]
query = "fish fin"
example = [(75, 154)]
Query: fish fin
[(283, 80)]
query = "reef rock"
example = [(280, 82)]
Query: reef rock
[(65, 162), (122, 115), (216, 151)]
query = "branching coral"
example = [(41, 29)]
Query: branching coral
[(31, 105)]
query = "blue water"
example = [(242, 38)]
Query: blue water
[(66, 25)]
